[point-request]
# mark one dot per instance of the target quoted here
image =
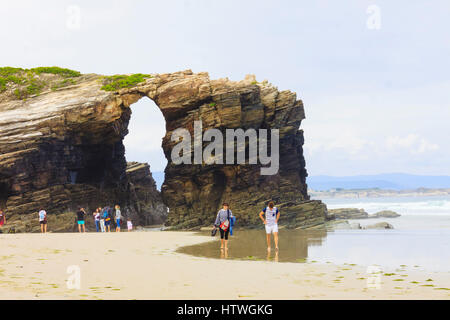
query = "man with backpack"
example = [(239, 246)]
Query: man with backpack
[(223, 221), (107, 217), (272, 214)]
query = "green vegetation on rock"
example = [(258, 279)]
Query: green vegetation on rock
[(34, 86), (120, 81), (63, 83), (67, 73), (28, 82), (9, 74)]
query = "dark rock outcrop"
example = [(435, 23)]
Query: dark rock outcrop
[(379, 225), (346, 225), (385, 214), (343, 225), (347, 213), (354, 213), (63, 148)]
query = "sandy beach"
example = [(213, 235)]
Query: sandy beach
[(145, 265)]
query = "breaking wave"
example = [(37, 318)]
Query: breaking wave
[(404, 206)]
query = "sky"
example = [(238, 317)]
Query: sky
[(373, 75)]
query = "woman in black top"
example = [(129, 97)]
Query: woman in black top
[(80, 217)]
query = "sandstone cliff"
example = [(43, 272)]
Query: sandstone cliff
[(145, 206), (61, 146)]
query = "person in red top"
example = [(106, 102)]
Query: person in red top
[(2, 218)]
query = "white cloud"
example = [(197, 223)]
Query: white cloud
[(330, 141), (413, 143), (364, 91)]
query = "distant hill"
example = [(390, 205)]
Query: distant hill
[(392, 181)]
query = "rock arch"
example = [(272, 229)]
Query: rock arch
[(78, 130)]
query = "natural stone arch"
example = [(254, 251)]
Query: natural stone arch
[(82, 127), (143, 143)]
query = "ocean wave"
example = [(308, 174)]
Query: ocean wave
[(423, 207)]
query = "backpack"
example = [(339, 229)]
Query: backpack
[(105, 213), (226, 224)]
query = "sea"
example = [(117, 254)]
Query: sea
[(420, 239)]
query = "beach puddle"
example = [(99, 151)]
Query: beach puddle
[(393, 251), (252, 245)]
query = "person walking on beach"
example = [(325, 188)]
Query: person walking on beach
[(222, 222), (43, 220), (80, 218), (96, 215), (2, 218), (272, 214), (118, 216), (102, 219)]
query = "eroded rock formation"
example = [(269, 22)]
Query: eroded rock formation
[(145, 205), (354, 213), (63, 148)]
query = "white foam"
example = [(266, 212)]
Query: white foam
[(403, 206)]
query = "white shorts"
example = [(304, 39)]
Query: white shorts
[(271, 228)]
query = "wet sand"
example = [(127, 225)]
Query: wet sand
[(146, 265)]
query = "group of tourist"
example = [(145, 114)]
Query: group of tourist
[(225, 221), (102, 219)]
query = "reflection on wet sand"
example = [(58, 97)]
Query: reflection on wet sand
[(275, 258), (251, 245), (223, 254)]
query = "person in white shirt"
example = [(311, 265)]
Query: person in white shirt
[(272, 214), (118, 217), (43, 220), (102, 220), (96, 215)]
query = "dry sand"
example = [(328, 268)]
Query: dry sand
[(144, 265)]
